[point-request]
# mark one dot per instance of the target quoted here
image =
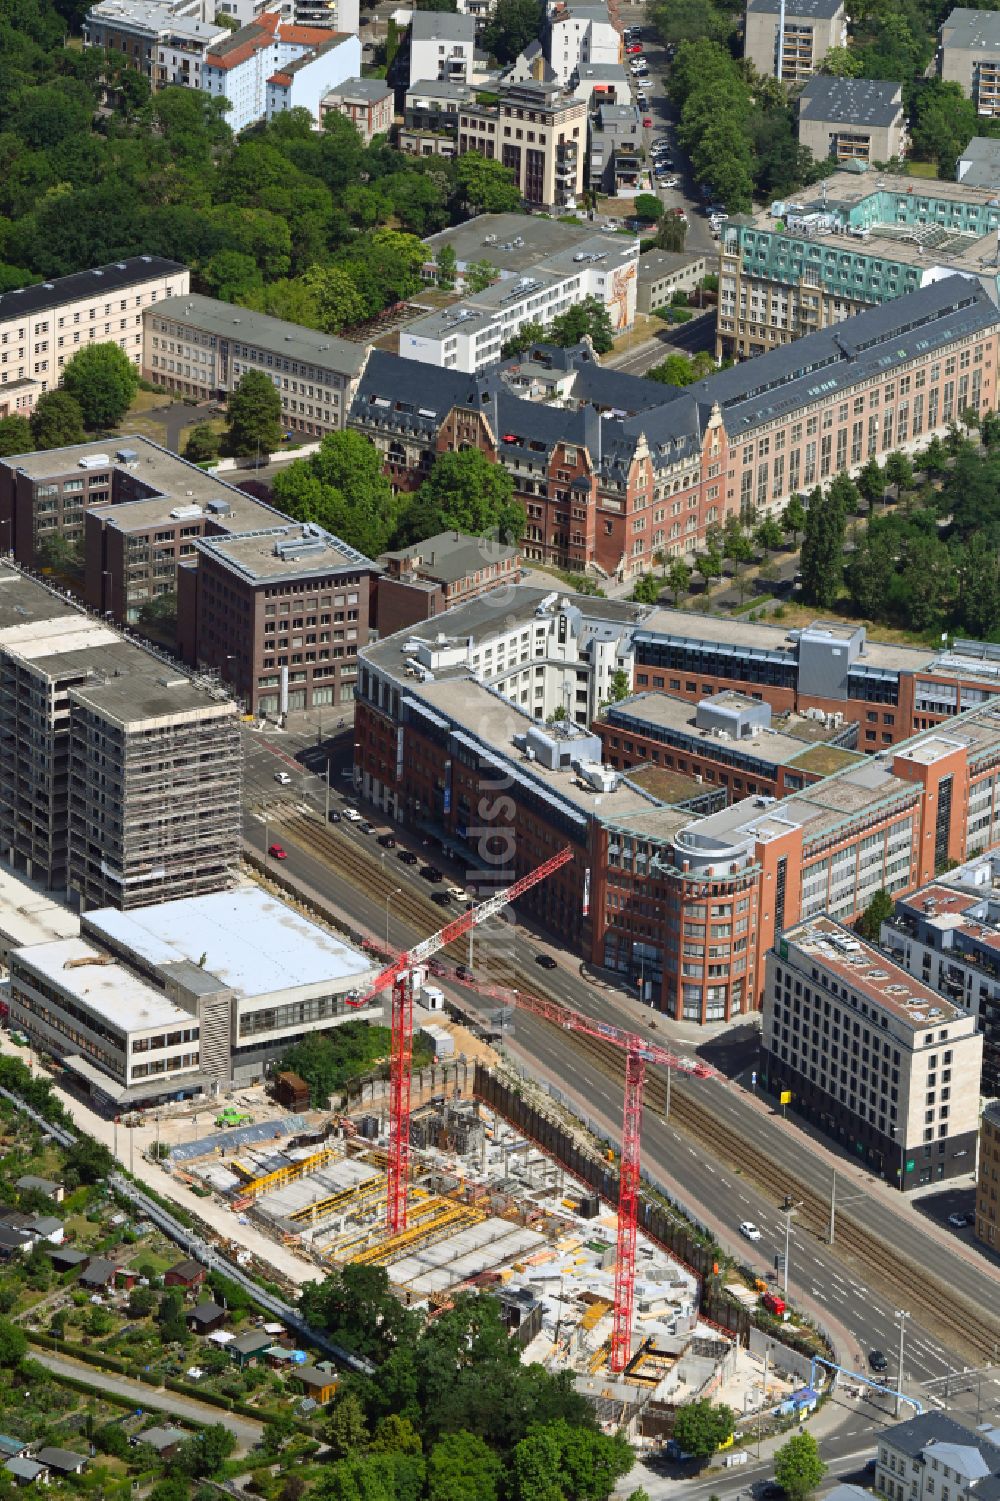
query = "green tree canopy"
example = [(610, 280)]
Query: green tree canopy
[(57, 421), (472, 494), (513, 25), (104, 381), (798, 1468), (879, 910), (461, 1467), (700, 1427), (341, 487), (15, 436), (254, 416)]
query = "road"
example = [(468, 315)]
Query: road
[(246, 1432), (707, 1189)]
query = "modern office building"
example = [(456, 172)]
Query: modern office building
[(442, 713), (988, 1179), (422, 581), (442, 46), (257, 974), (280, 613), (155, 787), (41, 327), (793, 54), (850, 243), (125, 1043), (876, 1059), (539, 132), (366, 102), (947, 934), (969, 54), (852, 120), (625, 469), (920, 1459), (202, 348), (979, 164), (661, 273)]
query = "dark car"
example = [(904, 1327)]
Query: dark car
[(437, 969), (771, 1492), (441, 897), (877, 1361), (463, 972), (407, 857), (387, 841), (431, 873), (366, 827), (334, 816), (546, 961)]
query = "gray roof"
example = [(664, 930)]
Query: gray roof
[(851, 101), (98, 1269), (657, 263), (946, 1436), (274, 335), (24, 1469), (205, 1312), (817, 10), (435, 88), (298, 550), (161, 1438), (60, 1459), (44, 1185), (370, 90), (104, 279), (981, 149), (250, 1343), (979, 164), (975, 30), (451, 555), (441, 26), (67, 1254), (44, 1224)]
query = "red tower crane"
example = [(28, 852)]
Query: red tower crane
[(638, 1052)]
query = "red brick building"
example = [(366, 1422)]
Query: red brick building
[(424, 580)]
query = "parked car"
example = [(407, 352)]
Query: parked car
[(877, 1361), (441, 897), (958, 1221), (647, 122), (352, 815), (546, 961), (276, 852), (668, 182), (749, 1230), (431, 873), (437, 969), (366, 827), (407, 857), (463, 972), (387, 841), (282, 778), (334, 816), (633, 49)]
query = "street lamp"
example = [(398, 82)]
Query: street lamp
[(790, 1209), (901, 1170), (388, 899), (902, 1314)]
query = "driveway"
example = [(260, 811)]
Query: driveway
[(245, 1430)]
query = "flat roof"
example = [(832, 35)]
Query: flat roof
[(143, 690), (254, 943), (780, 745), (245, 512), (225, 320), (27, 606), (28, 914), (656, 263), (516, 242), (867, 970), (370, 90), (813, 9), (440, 26), (103, 986), (297, 550), (83, 284)]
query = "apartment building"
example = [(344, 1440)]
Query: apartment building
[(578, 34), (844, 246), (793, 54), (442, 712), (422, 581), (878, 1061), (661, 273), (727, 732), (273, 65), (366, 102), (258, 975), (200, 347), (280, 613), (124, 1043), (627, 468), (979, 164), (969, 54), (988, 1178), (167, 43), (442, 46), (334, 15), (431, 115), (933, 1453), (537, 130), (42, 327), (543, 267), (617, 149), (947, 934), (852, 120), (155, 786), (601, 83)]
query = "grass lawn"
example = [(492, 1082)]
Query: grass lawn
[(921, 169), (796, 615)]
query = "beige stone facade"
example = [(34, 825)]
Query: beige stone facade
[(812, 27), (969, 55), (988, 1180), (539, 133), (852, 120)]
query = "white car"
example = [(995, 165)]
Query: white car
[(749, 1230), (666, 182), (458, 895), (282, 778), (352, 815)]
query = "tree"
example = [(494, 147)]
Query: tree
[(700, 1428), (357, 1310), (871, 482), (88, 1161), (170, 1317), (934, 459), (898, 472), (620, 687), (57, 421), (675, 370), (13, 1345), (232, 276), (472, 494), (521, 340), (672, 233), (447, 265), (461, 1467), (202, 443), (141, 1302), (112, 1439), (678, 579), (15, 436), (769, 535), (841, 62), (484, 186), (513, 25), (104, 381), (278, 1429), (823, 547), (254, 416), (205, 1452), (480, 275), (737, 547), (943, 120), (395, 1435), (793, 518), (709, 565), (879, 910), (346, 1430), (798, 1468), (647, 589), (648, 206), (558, 1460), (588, 319), (341, 487)]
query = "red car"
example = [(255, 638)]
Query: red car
[(276, 852), (633, 49), (647, 122)]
